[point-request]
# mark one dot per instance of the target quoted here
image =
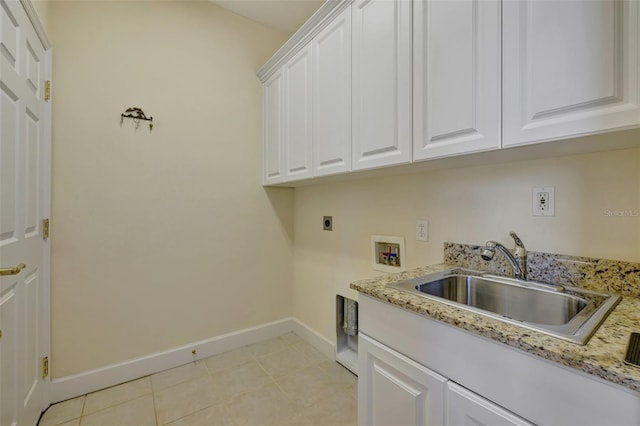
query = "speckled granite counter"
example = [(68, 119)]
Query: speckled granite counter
[(602, 356)]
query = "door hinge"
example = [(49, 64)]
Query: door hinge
[(45, 228), (45, 367), (47, 90)]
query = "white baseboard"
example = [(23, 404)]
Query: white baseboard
[(315, 339), (111, 375)]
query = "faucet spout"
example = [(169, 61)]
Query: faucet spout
[(517, 259)]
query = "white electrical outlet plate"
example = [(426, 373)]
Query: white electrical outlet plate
[(422, 230), (543, 201)]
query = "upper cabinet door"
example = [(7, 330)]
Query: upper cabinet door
[(297, 116), (273, 94), (570, 68), (332, 97), (381, 83), (456, 104)]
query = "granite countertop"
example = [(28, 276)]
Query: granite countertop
[(602, 356)]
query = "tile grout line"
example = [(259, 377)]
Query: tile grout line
[(296, 346), (231, 398), (153, 399), (311, 365), (275, 382), (114, 406), (84, 403), (286, 395), (63, 421), (208, 374), (83, 414), (224, 404)]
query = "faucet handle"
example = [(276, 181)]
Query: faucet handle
[(520, 249)]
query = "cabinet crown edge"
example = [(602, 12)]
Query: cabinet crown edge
[(320, 19)]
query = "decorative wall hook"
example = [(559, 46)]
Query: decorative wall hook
[(136, 114)]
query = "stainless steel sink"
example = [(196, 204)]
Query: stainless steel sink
[(568, 313)]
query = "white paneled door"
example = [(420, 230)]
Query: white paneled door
[(24, 198)]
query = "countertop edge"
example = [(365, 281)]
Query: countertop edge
[(602, 356)]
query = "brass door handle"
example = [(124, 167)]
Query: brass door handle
[(12, 271)]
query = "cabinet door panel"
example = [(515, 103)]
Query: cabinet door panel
[(456, 77), (467, 408), (570, 68), (332, 97), (394, 390), (273, 91), (297, 121), (381, 83)]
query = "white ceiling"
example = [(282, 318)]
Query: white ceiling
[(283, 15)]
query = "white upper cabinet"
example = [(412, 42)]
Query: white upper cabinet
[(332, 97), (372, 83), (570, 68), (297, 116), (456, 80), (381, 128), (273, 94)]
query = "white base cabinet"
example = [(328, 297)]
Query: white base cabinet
[(488, 382), (467, 408), (394, 390)]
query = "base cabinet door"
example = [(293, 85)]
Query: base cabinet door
[(467, 408), (570, 68), (394, 390)]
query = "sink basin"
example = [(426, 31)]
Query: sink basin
[(568, 313), (509, 300)]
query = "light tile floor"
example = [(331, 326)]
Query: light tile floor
[(282, 381)]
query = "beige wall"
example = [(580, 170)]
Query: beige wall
[(470, 205), (42, 9), (163, 238)]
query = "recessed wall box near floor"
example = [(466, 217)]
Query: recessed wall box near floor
[(388, 253), (347, 333)]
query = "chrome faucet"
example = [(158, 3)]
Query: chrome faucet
[(517, 259)]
